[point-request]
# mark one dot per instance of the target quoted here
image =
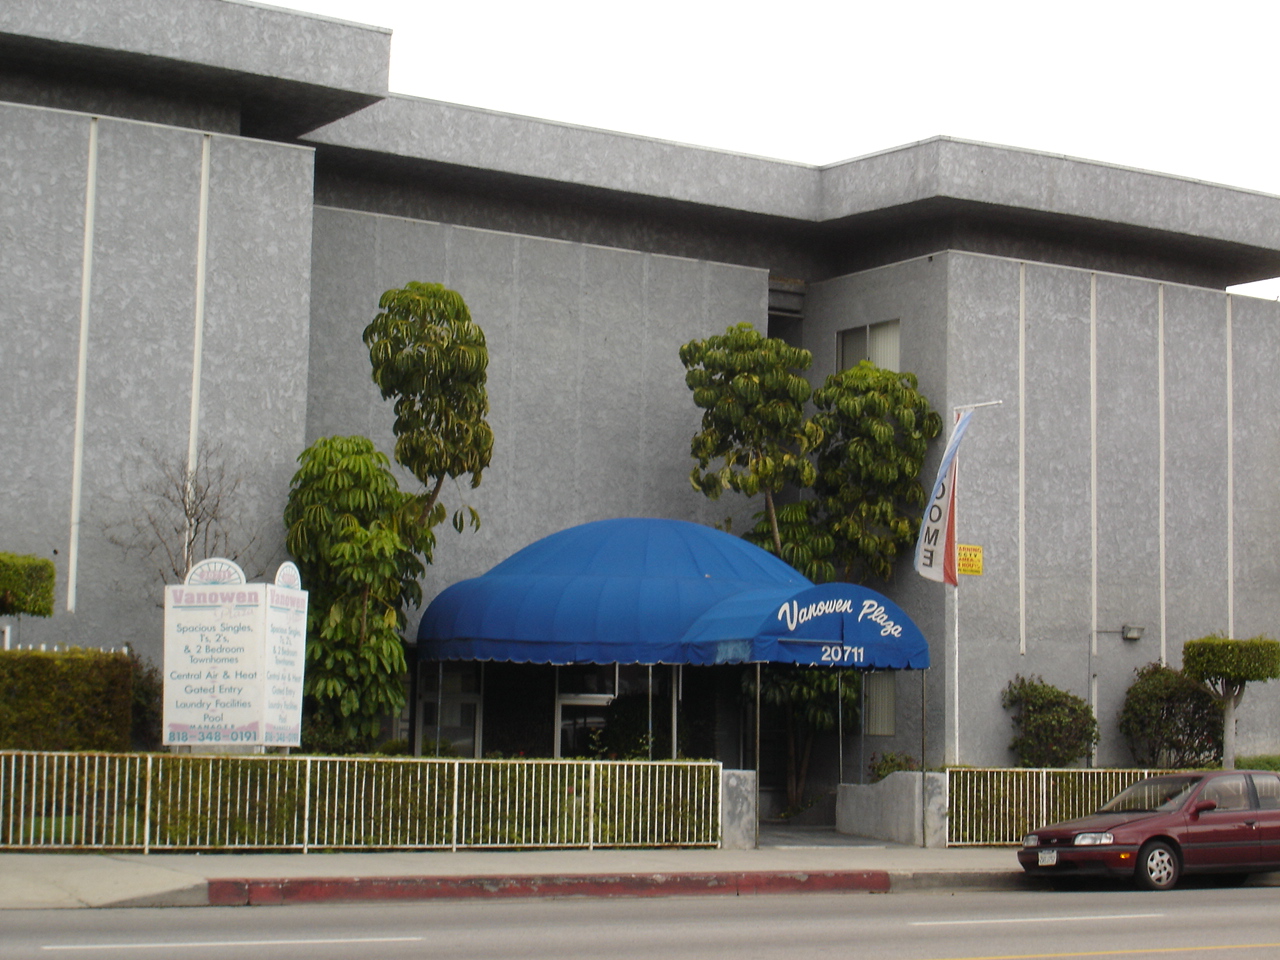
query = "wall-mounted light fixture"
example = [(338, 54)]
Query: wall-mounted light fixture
[(1130, 633)]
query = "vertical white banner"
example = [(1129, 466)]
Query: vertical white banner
[(935, 547)]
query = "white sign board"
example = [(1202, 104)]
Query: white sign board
[(286, 634), (233, 658)]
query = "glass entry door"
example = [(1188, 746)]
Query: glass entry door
[(450, 707)]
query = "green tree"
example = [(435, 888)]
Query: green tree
[(807, 699), (1052, 728), (753, 419), (357, 540), (1170, 720), (429, 355), (1224, 667), (876, 427), (806, 540)]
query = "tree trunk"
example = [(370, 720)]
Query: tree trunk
[(1230, 701), (773, 523), (793, 799), (802, 776)]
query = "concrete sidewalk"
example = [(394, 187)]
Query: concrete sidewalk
[(790, 862)]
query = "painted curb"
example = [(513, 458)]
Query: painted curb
[(259, 892)]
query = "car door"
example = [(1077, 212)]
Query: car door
[(1267, 788), (1226, 836)]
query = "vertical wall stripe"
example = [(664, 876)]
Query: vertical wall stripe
[(1231, 478), (86, 287), (1160, 427), (197, 349), (1022, 458), (1093, 487)]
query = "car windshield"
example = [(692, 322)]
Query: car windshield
[(1153, 795)]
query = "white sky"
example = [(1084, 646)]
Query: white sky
[(1182, 88)]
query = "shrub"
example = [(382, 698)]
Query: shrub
[(71, 700), (1262, 761), (1052, 728), (26, 585), (883, 764), (147, 700), (1170, 720)]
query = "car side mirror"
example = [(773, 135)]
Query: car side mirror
[(1203, 806)]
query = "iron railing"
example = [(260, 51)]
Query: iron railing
[(174, 802), (999, 806)]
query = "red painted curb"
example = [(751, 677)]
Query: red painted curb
[(236, 892)]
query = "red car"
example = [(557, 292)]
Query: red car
[(1223, 821)]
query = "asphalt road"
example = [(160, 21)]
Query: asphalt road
[(1190, 923)]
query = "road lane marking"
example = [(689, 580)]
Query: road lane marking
[(227, 943), (1141, 952), (1108, 916)]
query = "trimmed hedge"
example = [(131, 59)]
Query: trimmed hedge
[(1235, 661), (72, 700), (26, 585)]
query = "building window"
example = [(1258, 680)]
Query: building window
[(453, 713), (881, 702), (584, 693), (877, 342)]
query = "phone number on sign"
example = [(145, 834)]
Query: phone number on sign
[(212, 736)]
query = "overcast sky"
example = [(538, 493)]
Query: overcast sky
[(1170, 86)]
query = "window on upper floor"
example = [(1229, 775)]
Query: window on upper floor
[(877, 342)]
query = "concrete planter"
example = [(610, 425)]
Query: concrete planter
[(904, 807)]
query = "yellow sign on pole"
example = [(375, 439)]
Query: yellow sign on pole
[(969, 559)]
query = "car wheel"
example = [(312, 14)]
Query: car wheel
[(1158, 866)]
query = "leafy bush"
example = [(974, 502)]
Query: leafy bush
[(69, 700), (1264, 761), (26, 585), (147, 701), (1170, 720), (883, 764), (1052, 728)]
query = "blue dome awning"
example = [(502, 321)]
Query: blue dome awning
[(662, 591)]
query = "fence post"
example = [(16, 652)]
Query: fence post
[(1044, 800), (306, 807), (146, 811), (453, 819), (591, 806)]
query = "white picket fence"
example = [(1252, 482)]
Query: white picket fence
[(999, 806), (167, 802)]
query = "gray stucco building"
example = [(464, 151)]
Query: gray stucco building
[(200, 203)]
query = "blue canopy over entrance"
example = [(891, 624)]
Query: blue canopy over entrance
[(663, 591)]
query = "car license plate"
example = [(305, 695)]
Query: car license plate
[(1048, 858)]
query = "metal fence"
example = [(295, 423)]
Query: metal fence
[(1000, 806), (168, 802)]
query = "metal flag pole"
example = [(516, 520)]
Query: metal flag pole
[(840, 723), (957, 412)]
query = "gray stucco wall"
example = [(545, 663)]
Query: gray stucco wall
[(1156, 364), (1118, 395), (140, 344), (590, 413), (915, 293)]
